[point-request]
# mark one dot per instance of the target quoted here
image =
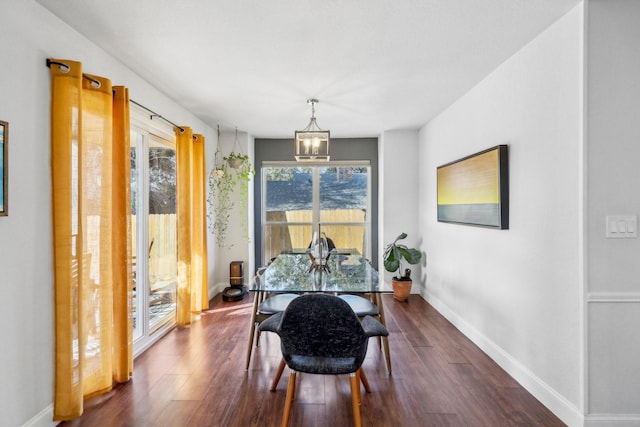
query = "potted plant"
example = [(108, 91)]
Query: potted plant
[(236, 160), (394, 253)]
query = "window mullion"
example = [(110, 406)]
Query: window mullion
[(315, 197)]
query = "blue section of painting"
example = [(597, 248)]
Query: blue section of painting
[(486, 214)]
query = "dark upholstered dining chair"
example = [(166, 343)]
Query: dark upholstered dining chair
[(321, 334)]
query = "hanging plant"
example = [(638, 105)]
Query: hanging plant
[(218, 200), (220, 204), (218, 170), (234, 160), (232, 175)]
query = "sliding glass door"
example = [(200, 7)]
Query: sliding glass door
[(153, 206), (298, 200)]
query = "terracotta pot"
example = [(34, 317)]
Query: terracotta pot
[(401, 289)]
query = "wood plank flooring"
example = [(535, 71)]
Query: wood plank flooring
[(195, 376)]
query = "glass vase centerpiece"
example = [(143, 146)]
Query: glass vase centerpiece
[(319, 252)]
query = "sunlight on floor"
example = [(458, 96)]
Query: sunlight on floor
[(236, 310)]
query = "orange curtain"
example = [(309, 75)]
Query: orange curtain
[(200, 289), (123, 277), (191, 218), (91, 214)]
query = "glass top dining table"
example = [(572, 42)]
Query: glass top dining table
[(344, 274)]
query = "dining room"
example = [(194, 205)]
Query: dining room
[(530, 322)]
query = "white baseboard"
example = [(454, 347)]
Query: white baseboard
[(42, 419), (216, 289), (606, 420), (556, 403)]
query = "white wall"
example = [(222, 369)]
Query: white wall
[(517, 293), (613, 151), (29, 35), (237, 246), (398, 164)]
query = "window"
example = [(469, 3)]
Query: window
[(153, 207), (297, 199)]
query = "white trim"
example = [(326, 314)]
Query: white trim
[(612, 420), (316, 202), (153, 133), (144, 343), (43, 419), (217, 289), (332, 163), (549, 397), (583, 217), (615, 297)]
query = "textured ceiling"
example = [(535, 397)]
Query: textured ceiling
[(375, 65)]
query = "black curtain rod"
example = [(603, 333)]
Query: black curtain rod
[(154, 114), (97, 83)]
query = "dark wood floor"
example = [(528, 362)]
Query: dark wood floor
[(195, 376)]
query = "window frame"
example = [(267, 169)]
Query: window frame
[(353, 149), (315, 203), (153, 132)]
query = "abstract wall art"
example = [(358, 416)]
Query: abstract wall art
[(474, 190)]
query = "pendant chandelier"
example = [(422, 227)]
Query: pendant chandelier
[(312, 143)]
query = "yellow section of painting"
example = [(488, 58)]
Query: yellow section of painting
[(473, 180)]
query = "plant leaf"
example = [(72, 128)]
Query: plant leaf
[(412, 256), (392, 260), (400, 237)]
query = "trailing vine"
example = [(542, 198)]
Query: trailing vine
[(242, 171), (220, 205), (233, 173)]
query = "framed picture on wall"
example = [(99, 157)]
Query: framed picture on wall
[(474, 190), (4, 175)]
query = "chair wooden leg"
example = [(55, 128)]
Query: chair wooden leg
[(358, 396), (252, 329), (385, 340), (276, 378), (291, 389), (355, 400), (364, 380), (387, 354)]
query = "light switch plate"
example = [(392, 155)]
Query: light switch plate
[(622, 227)]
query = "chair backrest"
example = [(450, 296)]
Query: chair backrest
[(320, 325)]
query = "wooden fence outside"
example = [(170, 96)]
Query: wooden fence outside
[(292, 229), (163, 248)]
